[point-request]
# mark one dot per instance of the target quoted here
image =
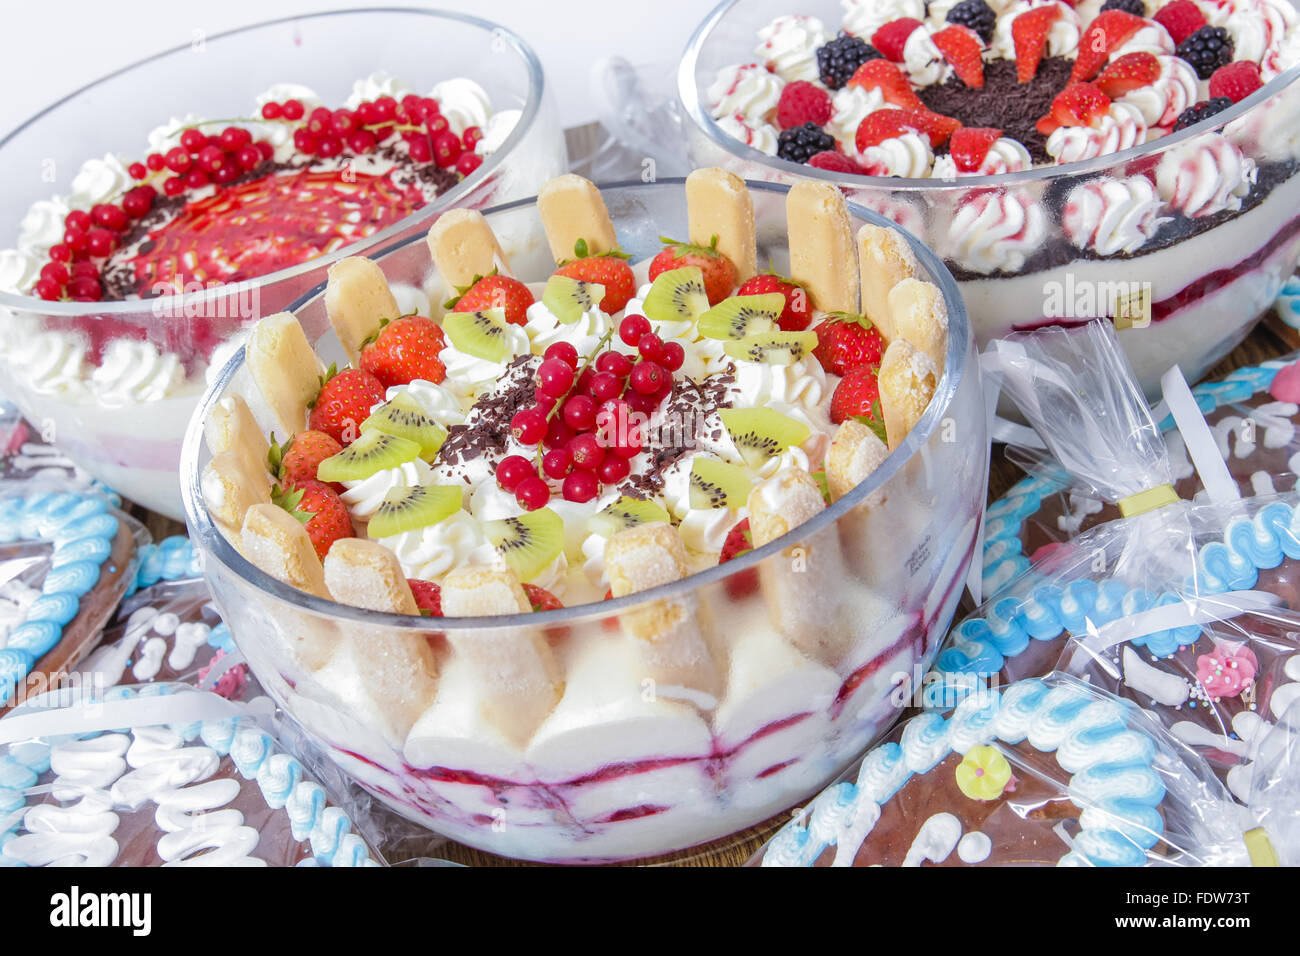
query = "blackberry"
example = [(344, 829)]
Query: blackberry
[(978, 16), (1135, 7), (798, 144), (839, 59), (1206, 50), (1199, 111)]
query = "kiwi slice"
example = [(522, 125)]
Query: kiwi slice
[(372, 452), (626, 512), (528, 543), (742, 315), (773, 348), (409, 509), (404, 418), (761, 433), (677, 296), (569, 298), (481, 334), (717, 484)]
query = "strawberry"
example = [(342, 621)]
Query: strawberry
[(961, 47), (609, 269), (885, 124), (970, 145), (1029, 35), (878, 74), (802, 102), (797, 315), (404, 350), (296, 461), (1130, 72), (892, 37), (344, 402), (846, 342), (719, 271), (542, 599), (739, 541), (319, 507), (496, 292), (1236, 81), (1108, 30), (858, 396), (1181, 18), (1079, 104), (836, 162), (428, 596)]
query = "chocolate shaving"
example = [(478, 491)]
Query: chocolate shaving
[(487, 427), (691, 402)]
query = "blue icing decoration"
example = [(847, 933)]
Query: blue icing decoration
[(1109, 848), (330, 829), (249, 748), (95, 550), (77, 578), (15, 775), (218, 734), (15, 664), (1288, 303), (1111, 780), (277, 777), (304, 806), (219, 637), (101, 525), (35, 637), (352, 852), (925, 742), (32, 753), (169, 560), (1132, 819), (59, 608)]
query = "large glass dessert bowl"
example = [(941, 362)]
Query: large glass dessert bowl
[(114, 381), (622, 765)]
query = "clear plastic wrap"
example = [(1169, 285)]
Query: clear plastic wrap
[(161, 775)]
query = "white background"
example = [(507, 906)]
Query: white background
[(50, 48)]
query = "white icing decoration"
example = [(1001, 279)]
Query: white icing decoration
[(1164, 688), (974, 847), (936, 840)]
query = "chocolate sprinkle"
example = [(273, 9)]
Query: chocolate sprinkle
[(689, 402), (487, 427)]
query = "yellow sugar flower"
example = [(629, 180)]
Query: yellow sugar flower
[(983, 773)]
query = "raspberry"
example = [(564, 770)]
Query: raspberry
[(839, 59), (1135, 7), (1236, 81), (978, 16), (1181, 18), (802, 102), (835, 162), (1199, 111), (800, 144), (1206, 50)]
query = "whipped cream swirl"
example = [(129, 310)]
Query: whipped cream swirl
[(850, 105), (802, 383), (1206, 176), (908, 155), (1175, 89), (364, 497), (438, 403), (464, 103), (1006, 155), (134, 371), (864, 17), (763, 137), (996, 231), (43, 225), (51, 362), (430, 552), (923, 61), (748, 90), (377, 84), (18, 271), (1110, 216), (788, 46), (1149, 38), (98, 181), (584, 334), (1121, 128), (1062, 36), (467, 374)]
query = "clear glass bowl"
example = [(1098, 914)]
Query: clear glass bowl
[(614, 772), (135, 447), (1207, 288)]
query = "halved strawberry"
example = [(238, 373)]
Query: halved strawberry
[(496, 292), (885, 124), (1129, 72), (428, 596), (970, 145), (1029, 35), (836, 162), (542, 599), (961, 47), (1079, 104), (1105, 33), (738, 542), (892, 37), (878, 74)]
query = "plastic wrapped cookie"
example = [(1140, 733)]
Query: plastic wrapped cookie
[(190, 780), (26, 455), (66, 559)]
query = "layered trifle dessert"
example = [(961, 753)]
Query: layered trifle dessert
[(559, 457), (1038, 93)]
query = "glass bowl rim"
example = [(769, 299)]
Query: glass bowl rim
[(691, 98), (212, 540), (171, 304)]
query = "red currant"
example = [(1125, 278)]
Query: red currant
[(137, 170), (629, 444), (235, 138), (192, 140), (248, 158), (554, 377), (430, 106), (228, 173), (55, 272), (155, 162), (616, 363), (265, 148), (604, 386), (580, 412), (85, 269), (329, 147), (672, 356), (60, 253), (581, 486), (109, 216), (48, 289), (546, 402), (557, 433), (343, 121), (446, 149), (173, 186), (304, 142), (645, 404), (138, 201), (437, 124), (319, 124), (528, 425), (632, 328), (613, 469), (413, 104), (78, 219), (211, 158), (85, 289), (647, 377), (650, 346), (385, 109), (468, 162), (586, 452), (421, 149), (100, 242), (75, 239), (513, 469), (563, 351), (471, 137), (362, 141), (557, 463), (177, 159), (292, 109), (532, 493), (272, 110), (366, 113), (196, 179)]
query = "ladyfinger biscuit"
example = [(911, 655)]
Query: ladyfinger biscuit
[(571, 209), (463, 246), (285, 368), (672, 647), (856, 451), (517, 678), (366, 574), (357, 300), (231, 485), (278, 543), (907, 381), (718, 204), (919, 315), (885, 258), (821, 245), (230, 427)]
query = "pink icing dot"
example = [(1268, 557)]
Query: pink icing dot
[(1286, 384)]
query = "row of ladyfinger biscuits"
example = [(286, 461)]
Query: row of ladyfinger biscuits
[(519, 666)]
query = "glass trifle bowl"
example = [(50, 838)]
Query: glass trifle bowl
[(115, 380), (623, 766), (1185, 240)]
